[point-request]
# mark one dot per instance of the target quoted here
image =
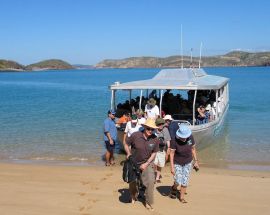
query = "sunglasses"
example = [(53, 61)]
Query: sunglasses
[(149, 129)]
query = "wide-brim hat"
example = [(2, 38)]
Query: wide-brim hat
[(183, 132), (160, 121), (150, 123), (151, 101), (168, 117)]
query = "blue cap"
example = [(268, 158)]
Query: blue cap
[(111, 112), (183, 131)]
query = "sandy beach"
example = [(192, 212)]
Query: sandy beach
[(40, 189)]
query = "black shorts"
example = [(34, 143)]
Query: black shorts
[(109, 147)]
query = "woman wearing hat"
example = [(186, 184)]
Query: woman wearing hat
[(183, 153), (151, 109), (144, 146)]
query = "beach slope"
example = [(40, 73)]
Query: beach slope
[(36, 189)]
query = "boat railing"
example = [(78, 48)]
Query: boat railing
[(184, 117), (182, 122)]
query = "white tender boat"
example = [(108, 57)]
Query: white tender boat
[(192, 80)]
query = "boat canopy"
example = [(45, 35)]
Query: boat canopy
[(180, 78)]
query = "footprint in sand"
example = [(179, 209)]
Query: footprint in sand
[(85, 182), (109, 174), (94, 187), (82, 194)]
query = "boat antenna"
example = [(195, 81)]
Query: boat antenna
[(182, 64), (191, 57), (200, 56)]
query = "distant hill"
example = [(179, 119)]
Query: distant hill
[(10, 65), (235, 58), (82, 66), (49, 65)]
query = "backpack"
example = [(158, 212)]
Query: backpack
[(130, 171)]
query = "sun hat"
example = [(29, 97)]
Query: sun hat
[(208, 107), (111, 112), (168, 117), (151, 101), (183, 131), (159, 121), (150, 123)]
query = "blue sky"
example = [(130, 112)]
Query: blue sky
[(88, 31)]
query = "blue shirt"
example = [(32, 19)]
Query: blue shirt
[(109, 126)]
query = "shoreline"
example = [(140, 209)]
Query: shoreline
[(41, 189), (222, 165)]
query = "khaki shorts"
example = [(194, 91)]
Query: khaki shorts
[(160, 159)]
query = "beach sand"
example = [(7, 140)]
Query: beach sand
[(40, 189)]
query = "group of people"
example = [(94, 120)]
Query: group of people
[(150, 141)]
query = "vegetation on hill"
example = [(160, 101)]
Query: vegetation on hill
[(10, 65), (235, 58), (49, 64)]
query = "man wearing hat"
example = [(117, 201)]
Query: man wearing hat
[(151, 109), (163, 136), (144, 146), (168, 119), (182, 155), (110, 135)]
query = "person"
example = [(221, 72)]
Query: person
[(161, 154), (209, 113), (144, 146), (151, 109), (201, 115), (131, 127), (168, 119), (122, 121), (183, 153), (110, 135), (140, 118)]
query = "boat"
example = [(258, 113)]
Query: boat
[(192, 81)]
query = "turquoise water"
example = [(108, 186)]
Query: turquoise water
[(57, 116)]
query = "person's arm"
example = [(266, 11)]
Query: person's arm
[(194, 155), (109, 137), (146, 164), (126, 143), (172, 152)]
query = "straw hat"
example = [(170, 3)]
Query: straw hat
[(150, 123), (183, 131)]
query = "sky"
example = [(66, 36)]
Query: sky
[(89, 31)]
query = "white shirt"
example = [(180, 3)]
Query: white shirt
[(131, 129), (152, 112)]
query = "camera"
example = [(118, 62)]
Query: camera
[(196, 168)]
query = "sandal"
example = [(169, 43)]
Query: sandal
[(107, 164), (173, 193), (183, 201)]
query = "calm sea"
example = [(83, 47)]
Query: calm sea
[(57, 116)]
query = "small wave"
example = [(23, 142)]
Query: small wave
[(65, 86)]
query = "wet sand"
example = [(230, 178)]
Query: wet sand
[(40, 189)]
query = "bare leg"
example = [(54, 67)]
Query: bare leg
[(111, 158), (158, 171), (183, 190), (107, 157)]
